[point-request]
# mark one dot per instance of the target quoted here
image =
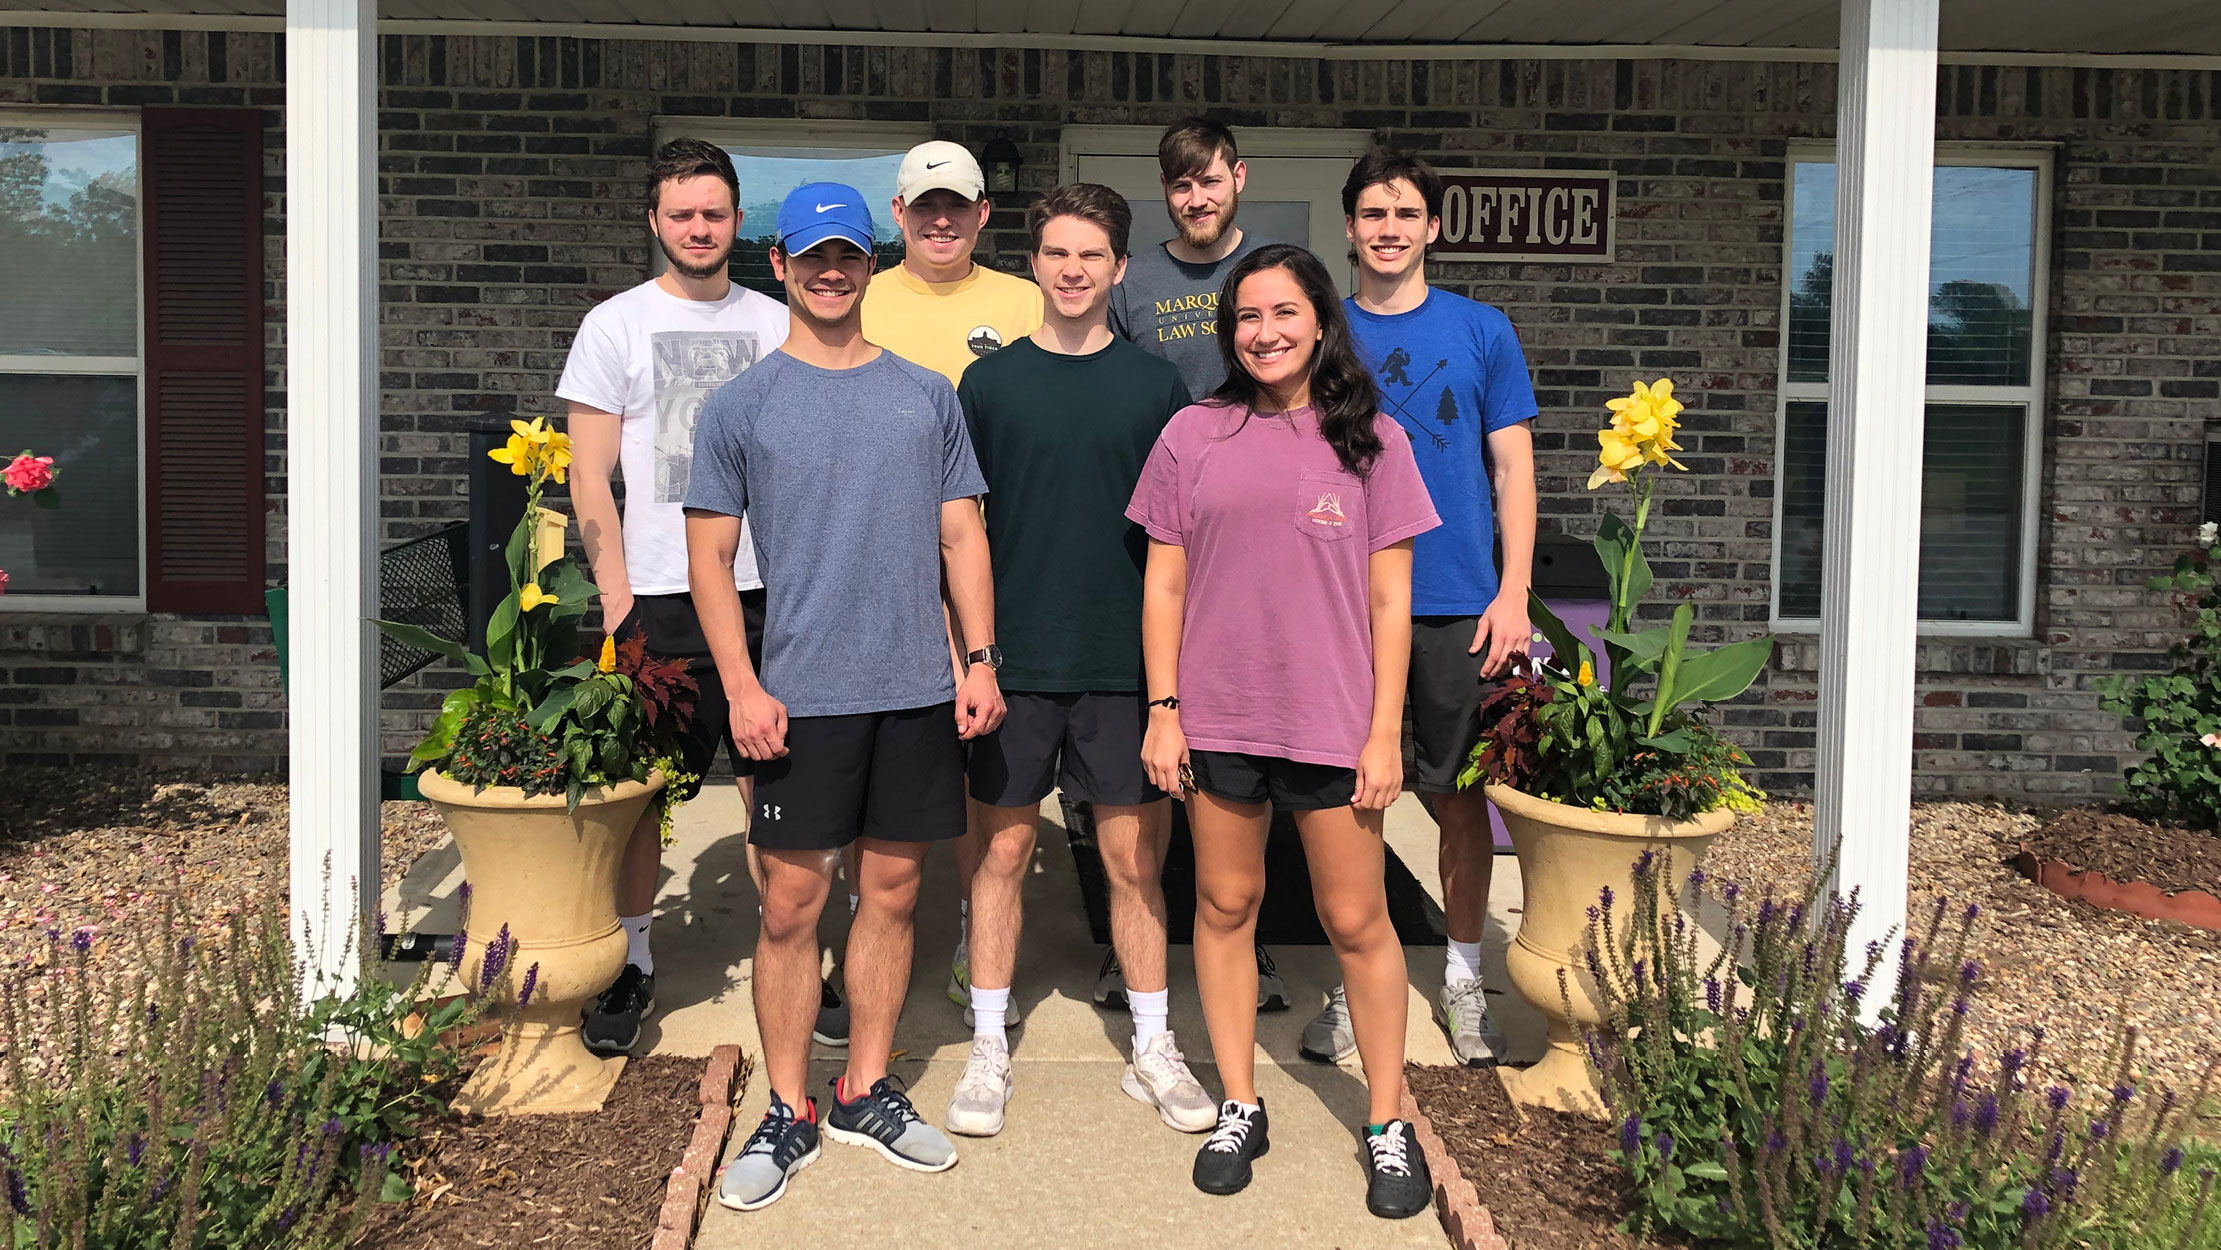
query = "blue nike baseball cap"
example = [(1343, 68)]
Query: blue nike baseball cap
[(817, 211)]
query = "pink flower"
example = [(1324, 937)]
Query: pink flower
[(2212, 740), (28, 473)]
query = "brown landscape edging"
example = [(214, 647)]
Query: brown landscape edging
[(687, 1193), (1468, 1223), (2140, 898)]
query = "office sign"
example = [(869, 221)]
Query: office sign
[(1526, 214)]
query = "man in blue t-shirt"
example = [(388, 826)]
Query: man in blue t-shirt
[(1451, 373)]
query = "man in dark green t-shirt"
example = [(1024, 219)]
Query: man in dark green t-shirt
[(1062, 422)]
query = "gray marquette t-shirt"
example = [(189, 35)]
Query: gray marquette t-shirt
[(1170, 308), (842, 474)]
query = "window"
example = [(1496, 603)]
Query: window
[(70, 355), (774, 157), (1980, 449)]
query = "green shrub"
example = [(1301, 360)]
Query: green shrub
[(2179, 710), (175, 1091), (1755, 1108)]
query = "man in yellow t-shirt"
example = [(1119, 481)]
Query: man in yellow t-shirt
[(937, 308)]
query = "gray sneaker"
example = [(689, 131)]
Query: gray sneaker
[(1462, 1011), (976, 1109), (781, 1146), (885, 1121), (1329, 1037), (1159, 1076)]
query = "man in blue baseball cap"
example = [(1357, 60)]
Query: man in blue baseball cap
[(856, 473)]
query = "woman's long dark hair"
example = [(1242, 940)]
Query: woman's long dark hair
[(1341, 386)]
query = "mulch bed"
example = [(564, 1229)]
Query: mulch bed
[(2127, 849), (1543, 1176), (552, 1182)]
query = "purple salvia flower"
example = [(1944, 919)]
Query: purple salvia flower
[(1961, 1113), (18, 1197), (1712, 995), (1604, 897), (333, 1128), (185, 944), (1766, 911), (1842, 1155), (2171, 1162), (1817, 1088), (2099, 1129), (272, 1092), (2035, 1205), (1665, 1145), (1776, 1142), (1957, 1212), (1637, 968), (2057, 1148), (1852, 990), (1594, 914), (1731, 891), (81, 941), (1631, 1135), (2056, 1097), (1969, 971), (2015, 1060), (137, 1147), (496, 959), (1911, 1165), (2063, 1181), (1974, 910), (2123, 1093), (1696, 878), (531, 982), (286, 1218), (1960, 1005), (154, 1014), (1796, 915), (1942, 1236)]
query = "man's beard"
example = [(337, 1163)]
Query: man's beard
[(691, 269), (1221, 222)]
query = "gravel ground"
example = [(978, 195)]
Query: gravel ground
[(2076, 969)]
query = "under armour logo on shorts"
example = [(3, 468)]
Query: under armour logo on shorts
[(771, 811)]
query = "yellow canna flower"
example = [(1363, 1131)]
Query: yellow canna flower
[(535, 431), (556, 454), (517, 455), (532, 596), (1587, 675), (1619, 453), (609, 654)]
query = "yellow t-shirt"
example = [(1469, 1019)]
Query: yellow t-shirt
[(948, 325)]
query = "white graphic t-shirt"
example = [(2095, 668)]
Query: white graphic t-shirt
[(653, 359)]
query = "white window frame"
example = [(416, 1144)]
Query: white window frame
[(784, 132), (31, 118), (2037, 157)]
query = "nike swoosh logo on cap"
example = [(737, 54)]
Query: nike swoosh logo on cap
[(827, 208), (935, 164)]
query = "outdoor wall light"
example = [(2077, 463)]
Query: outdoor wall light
[(1002, 159)]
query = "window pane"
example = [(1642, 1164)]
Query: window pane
[(1981, 274), (768, 173), (1971, 511), (69, 204), (89, 545)]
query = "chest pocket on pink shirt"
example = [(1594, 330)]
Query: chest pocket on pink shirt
[(1330, 506)]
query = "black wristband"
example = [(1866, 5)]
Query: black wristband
[(1169, 701)]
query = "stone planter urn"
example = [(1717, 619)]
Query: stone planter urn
[(1566, 855), (551, 877)]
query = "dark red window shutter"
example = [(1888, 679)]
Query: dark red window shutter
[(201, 181)]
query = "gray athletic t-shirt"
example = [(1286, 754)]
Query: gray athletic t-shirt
[(1170, 308), (842, 474)]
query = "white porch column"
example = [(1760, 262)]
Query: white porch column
[(1870, 565), (331, 355)]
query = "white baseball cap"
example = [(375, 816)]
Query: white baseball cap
[(938, 164)]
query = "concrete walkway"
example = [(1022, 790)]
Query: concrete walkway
[(1079, 1164)]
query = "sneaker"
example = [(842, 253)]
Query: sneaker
[(1397, 1185), (1462, 1011), (613, 1023), (1272, 992), (831, 1028), (885, 1121), (1159, 1076), (1110, 983), (976, 1109), (781, 1146), (960, 989), (1330, 1038), (1222, 1166)]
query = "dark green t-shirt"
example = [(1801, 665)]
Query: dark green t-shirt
[(1061, 441)]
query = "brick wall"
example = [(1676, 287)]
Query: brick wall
[(509, 173)]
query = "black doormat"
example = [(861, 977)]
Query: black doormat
[(1287, 917)]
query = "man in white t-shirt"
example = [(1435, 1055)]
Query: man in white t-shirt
[(642, 366)]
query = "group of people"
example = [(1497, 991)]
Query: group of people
[(1236, 521)]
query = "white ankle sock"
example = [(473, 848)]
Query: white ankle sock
[(988, 1007), (1150, 1008), (636, 942), (1464, 963)]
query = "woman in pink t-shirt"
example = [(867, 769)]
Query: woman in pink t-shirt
[(1276, 632)]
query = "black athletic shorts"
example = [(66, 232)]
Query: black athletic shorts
[(1291, 785), (1445, 689), (898, 776), (1087, 744), (675, 633)]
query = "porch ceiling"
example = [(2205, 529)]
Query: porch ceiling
[(2040, 27)]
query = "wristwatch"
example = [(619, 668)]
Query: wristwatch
[(990, 655)]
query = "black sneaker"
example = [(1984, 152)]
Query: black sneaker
[(1272, 992), (831, 1028), (1222, 1165), (885, 1121), (781, 1146), (1110, 983), (1397, 1185), (613, 1023)]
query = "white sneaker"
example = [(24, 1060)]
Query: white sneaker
[(976, 1109), (1159, 1076)]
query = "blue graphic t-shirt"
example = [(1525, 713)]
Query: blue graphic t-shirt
[(1450, 373)]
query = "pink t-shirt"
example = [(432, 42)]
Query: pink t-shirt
[(1276, 652)]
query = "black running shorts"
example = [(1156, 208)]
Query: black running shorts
[(1086, 744), (675, 633), (1291, 785), (1445, 691), (897, 776)]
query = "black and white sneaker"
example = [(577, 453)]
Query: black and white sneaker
[(885, 1121), (1397, 1184), (613, 1023), (1272, 992), (782, 1145), (1222, 1165), (831, 1028), (1110, 983)]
